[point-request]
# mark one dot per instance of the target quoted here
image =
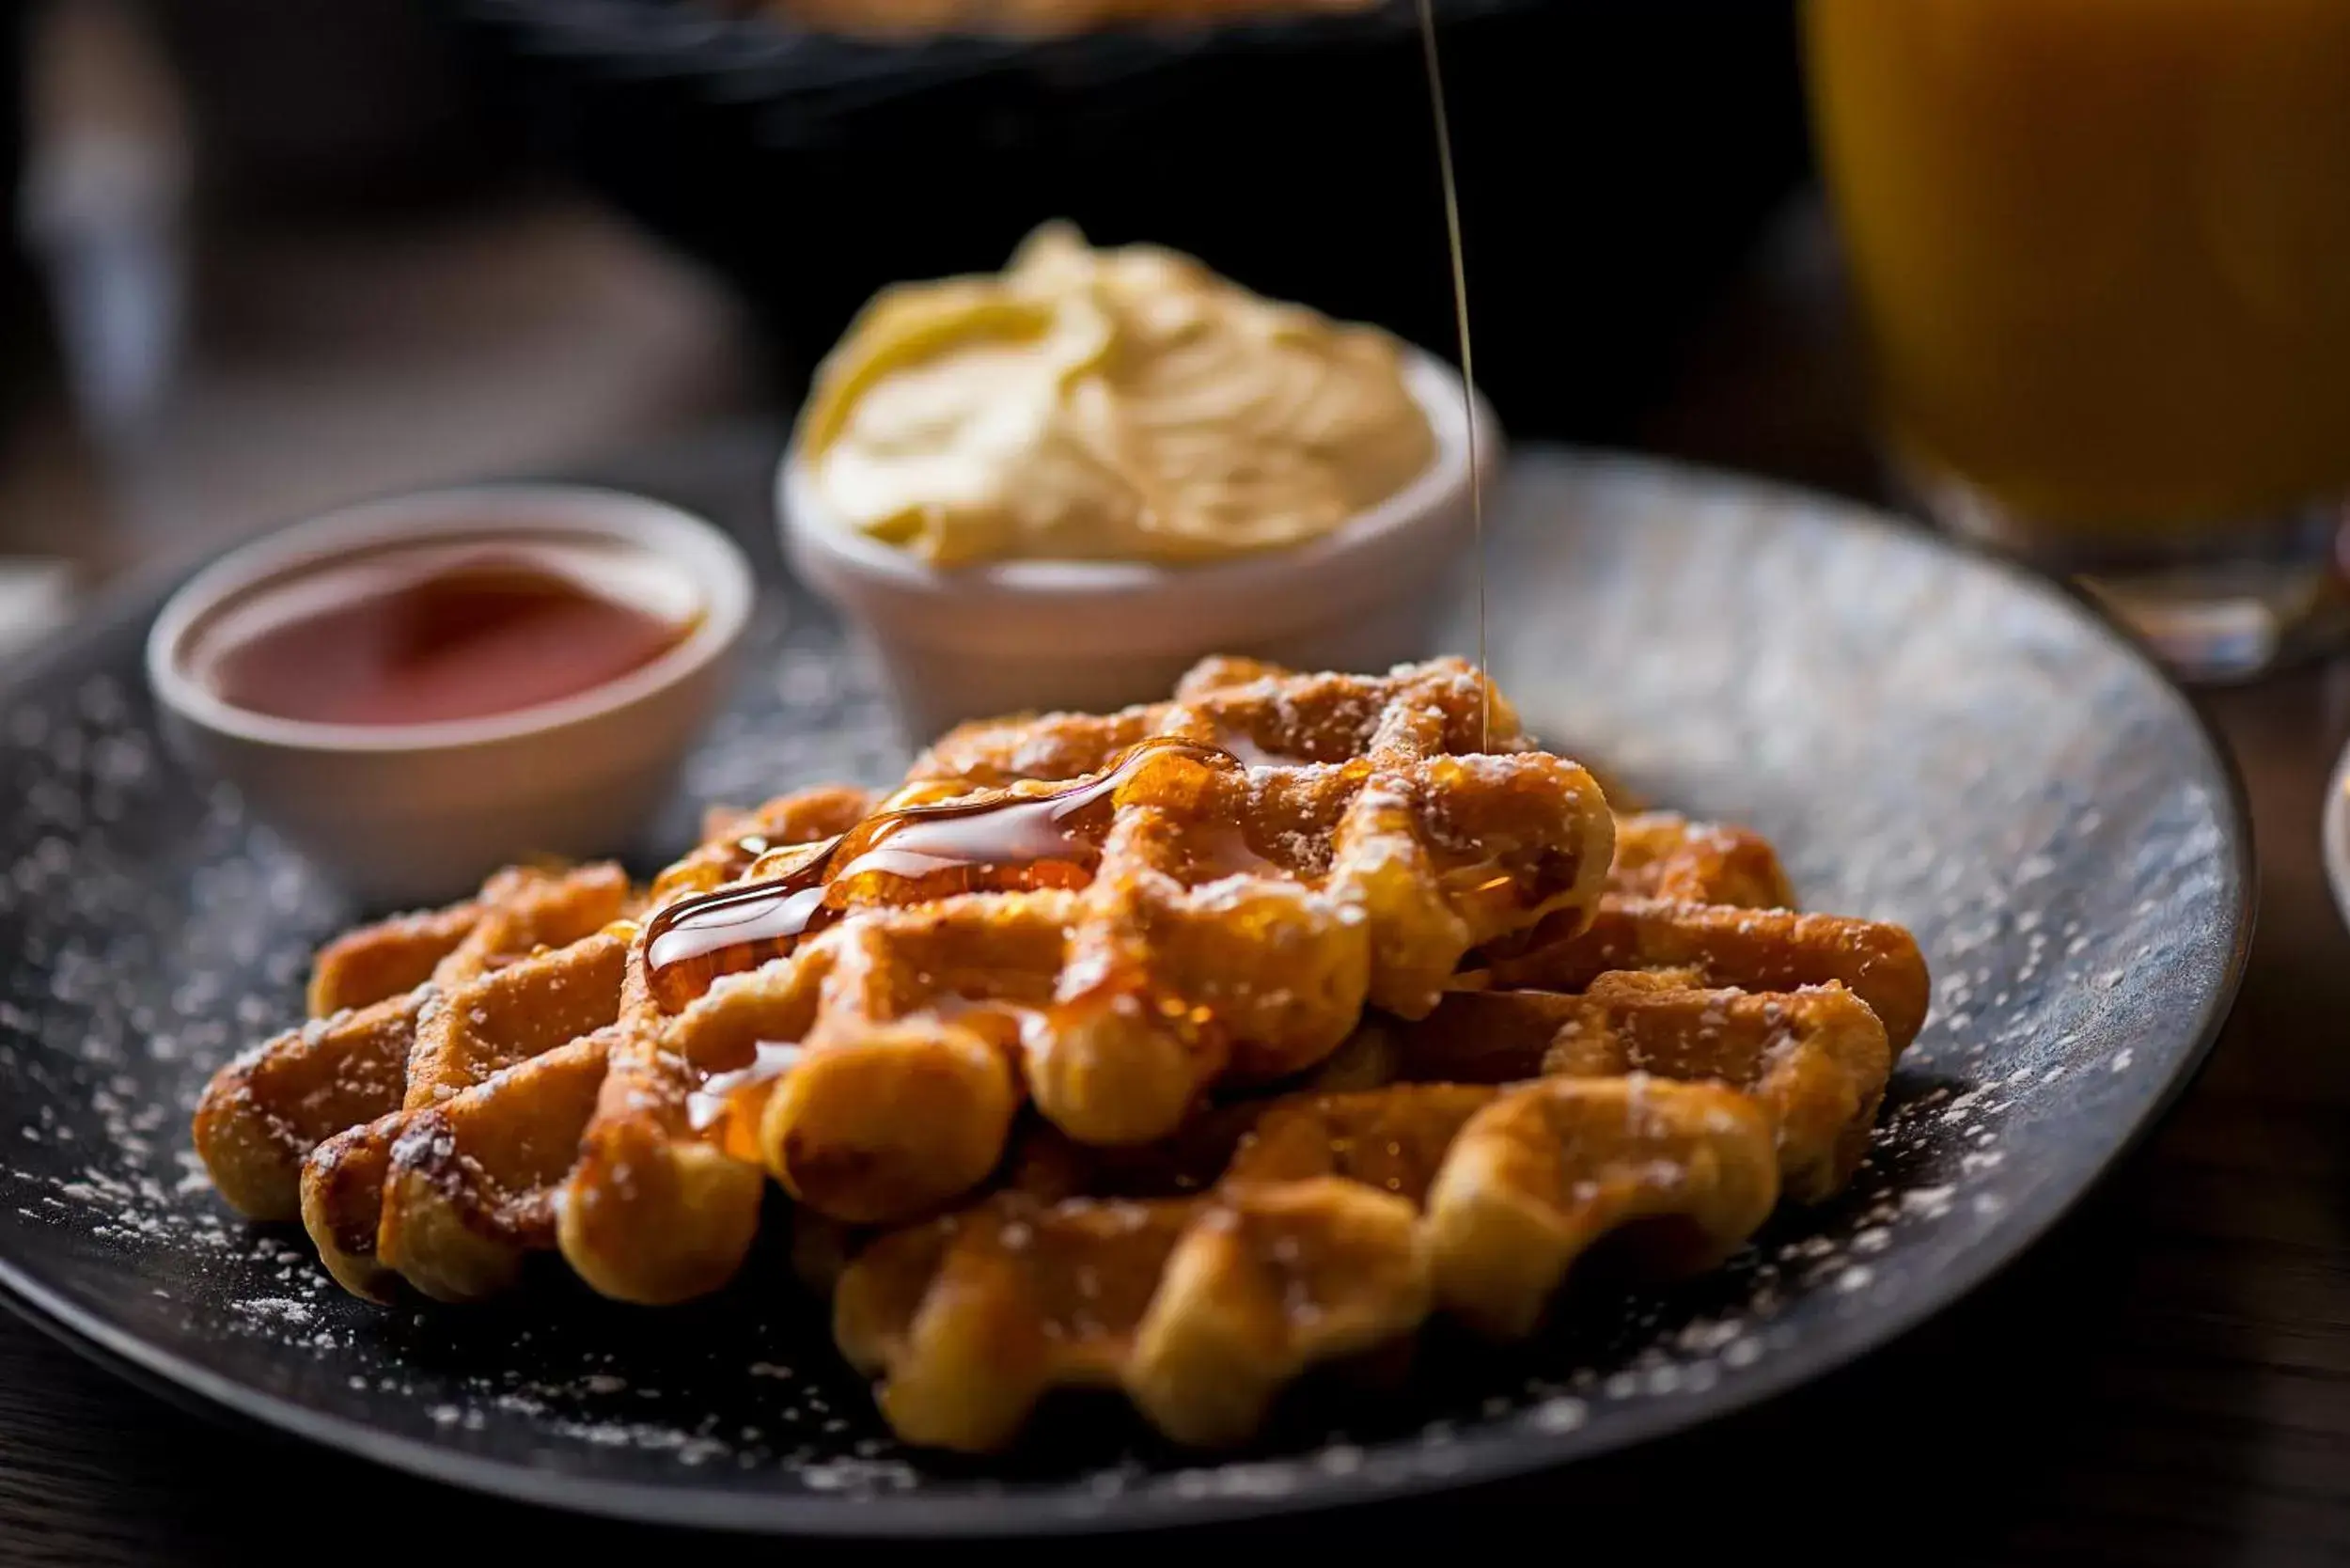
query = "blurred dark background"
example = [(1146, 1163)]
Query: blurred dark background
[(268, 255), (1614, 157)]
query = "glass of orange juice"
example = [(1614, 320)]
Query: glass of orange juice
[(2102, 254)]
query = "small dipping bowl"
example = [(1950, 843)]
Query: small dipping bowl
[(1032, 636), (403, 813)]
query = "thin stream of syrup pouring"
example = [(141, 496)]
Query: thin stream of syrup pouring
[(1468, 364)]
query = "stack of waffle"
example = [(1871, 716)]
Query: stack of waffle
[(1178, 1051)]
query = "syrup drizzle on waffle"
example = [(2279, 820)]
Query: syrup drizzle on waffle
[(728, 1105), (1047, 839)]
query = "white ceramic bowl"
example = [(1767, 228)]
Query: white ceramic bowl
[(411, 813), (1095, 635)]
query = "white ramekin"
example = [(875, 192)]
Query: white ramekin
[(411, 813), (1095, 635)]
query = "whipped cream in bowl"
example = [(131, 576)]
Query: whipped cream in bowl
[(1060, 486)]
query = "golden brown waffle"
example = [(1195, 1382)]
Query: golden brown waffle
[(1198, 922), (262, 1114), (1663, 855), (316, 1122), (1475, 1119), (425, 1133), (1711, 903), (1817, 1059), (1111, 916), (1340, 1226), (1261, 712), (660, 1206), (1693, 968), (375, 1198), (1240, 1033)]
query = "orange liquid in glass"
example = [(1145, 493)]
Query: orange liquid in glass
[(2102, 246)]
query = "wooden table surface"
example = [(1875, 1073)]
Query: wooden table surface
[(2166, 1379)]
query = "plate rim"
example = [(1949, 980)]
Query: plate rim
[(1483, 1457), (2334, 834)]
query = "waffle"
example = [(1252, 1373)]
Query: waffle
[(1343, 1222), (422, 1121), (1200, 924), (1160, 904), (1712, 901), (1183, 1052), (1662, 1105), (652, 1210), (373, 1003), (1693, 968), (351, 1115)]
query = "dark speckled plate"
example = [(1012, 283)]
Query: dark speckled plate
[(1929, 738)]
